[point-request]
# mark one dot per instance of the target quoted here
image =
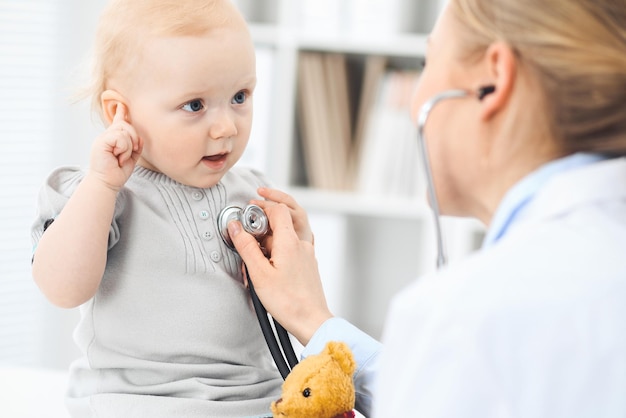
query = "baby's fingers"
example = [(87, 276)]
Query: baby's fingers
[(128, 147), (126, 144), (120, 114), (137, 147), (123, 149)]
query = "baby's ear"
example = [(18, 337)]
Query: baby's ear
[(109, 100)]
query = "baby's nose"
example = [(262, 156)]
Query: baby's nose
[(222, 124)]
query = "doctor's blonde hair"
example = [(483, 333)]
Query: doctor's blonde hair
[(125, 25), (578, 50)]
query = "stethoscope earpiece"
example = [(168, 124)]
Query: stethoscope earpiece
[(485, 90)]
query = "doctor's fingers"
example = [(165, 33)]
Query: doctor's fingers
[(281, 222), (278, 196), (248, 248), (299, 217), (293, 259), (284, 245), (274, 196), (289, 284)]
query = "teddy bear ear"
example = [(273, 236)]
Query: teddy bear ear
[(342, 355)]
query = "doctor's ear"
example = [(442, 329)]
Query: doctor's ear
[(500, 63), (109, 101)]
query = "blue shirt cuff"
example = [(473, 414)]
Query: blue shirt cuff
[(366, 351)]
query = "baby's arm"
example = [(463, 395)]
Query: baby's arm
[(71, 255), (298, 214)]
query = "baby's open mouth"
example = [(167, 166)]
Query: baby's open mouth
[(215, 162), (216, 157)]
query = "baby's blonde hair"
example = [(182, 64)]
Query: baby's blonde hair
[(125, 25), (578, 50)]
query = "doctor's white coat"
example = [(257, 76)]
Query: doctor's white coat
[(534, 326)]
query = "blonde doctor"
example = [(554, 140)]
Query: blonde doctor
[(534, 324)]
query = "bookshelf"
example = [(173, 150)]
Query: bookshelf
[(370, 242)]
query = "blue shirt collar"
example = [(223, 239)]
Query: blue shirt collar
[(516, 200)]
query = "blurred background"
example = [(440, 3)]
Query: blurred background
[(346, 150), (42, 47)]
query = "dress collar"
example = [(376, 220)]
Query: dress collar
[(516, 200)]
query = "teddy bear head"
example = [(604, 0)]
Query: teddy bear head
[(320, 386)]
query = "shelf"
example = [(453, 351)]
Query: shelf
[(382, 207), (354, 204), (401, 45)]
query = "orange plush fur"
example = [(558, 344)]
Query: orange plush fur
[(320, 386)]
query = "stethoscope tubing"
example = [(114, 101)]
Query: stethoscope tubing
[(427, 107), (290, 360), (255, 222)]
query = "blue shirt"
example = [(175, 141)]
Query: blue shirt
[(516, 200)]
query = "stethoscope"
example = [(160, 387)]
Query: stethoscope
[(422, 117), (255, 222)]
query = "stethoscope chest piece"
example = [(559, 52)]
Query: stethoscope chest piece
[(252, 219)]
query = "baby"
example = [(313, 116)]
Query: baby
[(167, 329)]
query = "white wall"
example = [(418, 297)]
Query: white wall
[(75, 128), (54, 35)]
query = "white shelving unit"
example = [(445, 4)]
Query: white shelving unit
[(368, 246)]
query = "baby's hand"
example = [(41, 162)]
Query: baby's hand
[(115, 152), (298, 214)]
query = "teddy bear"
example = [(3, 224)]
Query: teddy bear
[(320, 386)]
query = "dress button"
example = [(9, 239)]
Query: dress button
[(196, 195), (207, 235), (216, 256), (204, 214)]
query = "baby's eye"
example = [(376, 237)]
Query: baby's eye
[(240, 97), (193, 106)]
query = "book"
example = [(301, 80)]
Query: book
[(374, 69), (323, 112), (374, 153), (388, 161)]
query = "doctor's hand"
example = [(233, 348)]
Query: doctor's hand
[(288, 283), (298, 214)]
